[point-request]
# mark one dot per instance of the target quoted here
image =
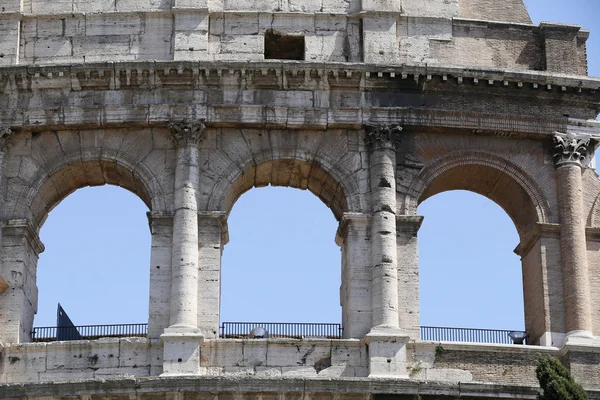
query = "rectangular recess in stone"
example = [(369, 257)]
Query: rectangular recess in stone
[(283, 47)]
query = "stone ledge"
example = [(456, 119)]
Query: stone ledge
[(138, 387), (273, 117)]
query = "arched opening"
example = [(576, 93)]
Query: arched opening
[(96, 259), (470, 276), (281, 264), (27, 214)]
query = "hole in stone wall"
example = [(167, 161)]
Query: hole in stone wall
[(283, 47)]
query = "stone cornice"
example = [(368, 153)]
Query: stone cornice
[(199, 76), (488, 78), (263, 116)]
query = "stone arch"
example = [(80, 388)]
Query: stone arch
[(489, 175), (593, 219), (297, 169), (73, 171)]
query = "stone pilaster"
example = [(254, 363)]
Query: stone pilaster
[(407, 227), (212, 237), (19, 254), (182, 338), (569, 152), (161, 229), (354, 238), (543, 293), (387, 342), (379, 29)]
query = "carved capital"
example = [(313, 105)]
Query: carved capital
[(187, 133), (382, 136), (5, 133), (570, 148)]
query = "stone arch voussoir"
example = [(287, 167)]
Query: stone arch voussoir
[(438, 168), (239, 178), (117, 169)]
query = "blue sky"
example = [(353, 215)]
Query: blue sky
[(282, 263)]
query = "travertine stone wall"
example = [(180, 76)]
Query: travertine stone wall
[(461, 33), (509, 10), (173, 100), (313, 359)]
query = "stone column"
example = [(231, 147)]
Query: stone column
[(354, 238), (384, 259), (182, 338), (387, 343), (569, 152)]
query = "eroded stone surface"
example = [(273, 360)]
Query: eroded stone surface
[(394, 102)]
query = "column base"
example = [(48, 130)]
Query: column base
[(387, 352), (181, 350), (575, 338), (552, 339)]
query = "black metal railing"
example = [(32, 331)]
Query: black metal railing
[(87, 332), (241, 330), (298, 330), (467, 335)]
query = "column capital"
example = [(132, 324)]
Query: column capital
[(5, 133), (23, 227), (570, 148), (159, 218), (221, 218), (347, 219), (187, 132), (382, 136), (408, 223)]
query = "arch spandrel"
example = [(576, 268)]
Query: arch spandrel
[(55, 167)]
